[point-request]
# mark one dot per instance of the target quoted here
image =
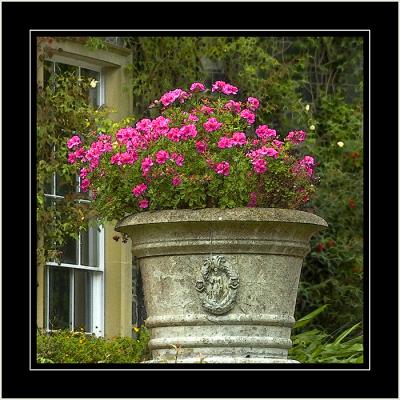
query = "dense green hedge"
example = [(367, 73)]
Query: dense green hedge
[(68, 347)]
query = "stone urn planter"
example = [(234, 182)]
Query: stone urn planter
[(220, 286)]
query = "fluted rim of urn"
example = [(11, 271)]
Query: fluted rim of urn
[(221, 215)]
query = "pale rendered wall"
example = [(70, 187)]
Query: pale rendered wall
[(118, 284)]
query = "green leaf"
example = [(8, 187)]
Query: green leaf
[(345, 333), (309, 317)]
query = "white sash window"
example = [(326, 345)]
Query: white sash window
[(75, 287)]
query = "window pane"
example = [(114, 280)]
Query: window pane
[(89, 247), (63, 187), (82, 300), (94, 94), (49, 184), (50, 203), (69, 250), (62, 68), (59, 298)]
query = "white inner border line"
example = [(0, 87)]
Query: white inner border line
[(220, 33)]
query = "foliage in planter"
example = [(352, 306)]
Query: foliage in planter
[(203, 150), (315, 346), (68, 347), (62, 109)]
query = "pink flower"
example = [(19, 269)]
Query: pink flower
[(126, 134), (308, 160), (129, 157), (83, 173), (160, 125), (193, 118), (229, 89), (259, 165), (144, 203), (85, 185), (174, 134), (169, 97), (197, 87), (223, 87), (144, 125), (147, 163), (162, 157), (222, 168), (80, 153), (176, 180), (116, 159), (71, 158), (73, 142), (307, 164), (233, 106), (225, 142), (206, 110), (296, 136), (218, 86), (178, 158), (253, 103), (212, 125), (188, 131), (239, 139), (139, 189), (263, 151), (106, 138), (201, 147), (277, 143), (248, 115), (265, 133), (268, 151), (253, 200)]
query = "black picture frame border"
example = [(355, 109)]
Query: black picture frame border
[(18, 377)]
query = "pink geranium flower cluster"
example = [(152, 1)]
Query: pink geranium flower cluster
[(169, 97), (204, 149), (225, 88)]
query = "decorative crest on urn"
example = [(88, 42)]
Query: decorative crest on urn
[(217, 284)]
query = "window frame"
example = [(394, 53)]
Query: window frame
[(82, 64)]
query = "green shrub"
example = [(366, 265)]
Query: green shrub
[(317, 347), (333, 271), (78, 347)]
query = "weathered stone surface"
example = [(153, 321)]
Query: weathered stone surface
[(220, 285)]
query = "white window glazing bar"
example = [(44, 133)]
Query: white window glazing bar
[(78, 254), (75, 266), (97, 315), (47, 299), (72, 300), (101, 90)]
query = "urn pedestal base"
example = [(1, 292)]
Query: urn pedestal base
[(220, 286), (222, 360)]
